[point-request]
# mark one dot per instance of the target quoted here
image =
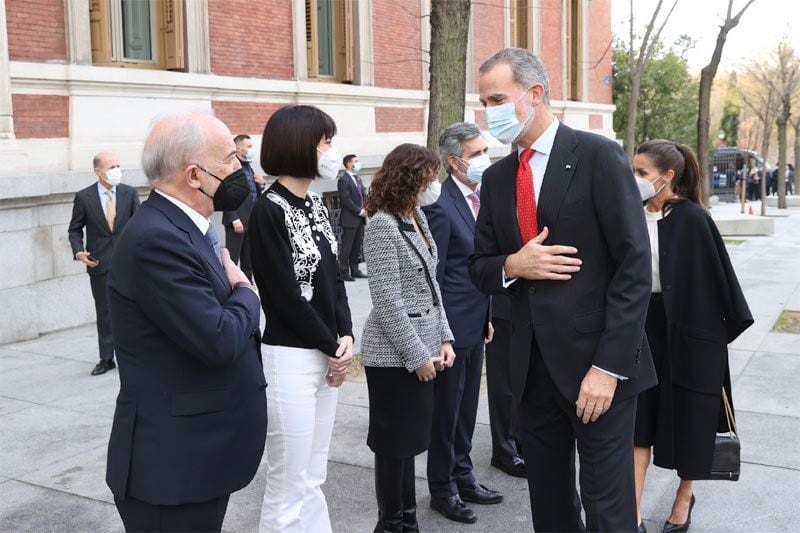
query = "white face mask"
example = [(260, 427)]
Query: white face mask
[(476, 166), (646, 188), (114, 175), (430, 195), (329, 164), (503, 123)]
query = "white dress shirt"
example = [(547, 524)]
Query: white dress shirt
[(199, 220), (466, 191)]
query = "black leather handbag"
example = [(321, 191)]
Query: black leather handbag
[(726, 462)]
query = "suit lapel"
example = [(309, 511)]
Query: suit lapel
[(506, 192), (97, 207), (199, 241), (557, 177), (460, 202)]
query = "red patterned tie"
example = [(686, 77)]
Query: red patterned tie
[(526, 198)]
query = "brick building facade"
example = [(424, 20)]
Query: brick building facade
[(80, 76)]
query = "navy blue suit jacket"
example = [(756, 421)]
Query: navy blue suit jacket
[(453, 227), (191, 417)]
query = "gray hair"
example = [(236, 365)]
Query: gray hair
[(451, 141), (526, 68), (174, 140)]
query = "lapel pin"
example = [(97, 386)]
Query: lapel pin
[(568, 167)]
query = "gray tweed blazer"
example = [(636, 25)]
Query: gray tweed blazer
[(404, 328)]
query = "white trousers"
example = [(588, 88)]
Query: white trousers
[(301, 409)]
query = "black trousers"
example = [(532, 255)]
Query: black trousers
[(502, 418), (105, 339), (455, 408), (352, 240), (204, 516), (239, 247), (549, 427)]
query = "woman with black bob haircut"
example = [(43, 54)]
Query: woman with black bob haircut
[(308, 342), (696, 309)]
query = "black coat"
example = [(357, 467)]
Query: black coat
[(243, 212), (191, 415), (705, 310), (100, 239), (350, 202), (588, 200)]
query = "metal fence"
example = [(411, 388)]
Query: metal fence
[(727, 168)]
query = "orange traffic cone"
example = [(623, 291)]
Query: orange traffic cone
[(750, 211)]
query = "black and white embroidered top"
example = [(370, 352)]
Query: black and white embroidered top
[(295, 267)]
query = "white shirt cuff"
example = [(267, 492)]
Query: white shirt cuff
[(235, 221), (604, 371), (507, 282)]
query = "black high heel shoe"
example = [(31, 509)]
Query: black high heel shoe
[(669, 527), (642, 528)]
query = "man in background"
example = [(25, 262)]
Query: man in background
[(103, 208), (236, 222), (352, 218)]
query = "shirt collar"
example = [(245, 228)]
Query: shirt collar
[(544, 144), (199, 220), (103, 190), (466, 191)]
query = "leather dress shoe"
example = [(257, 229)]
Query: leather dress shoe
[(359, 274), (515, 466), (347, 277), (669, 527), (454, 509), (477, 493), (103, 366)]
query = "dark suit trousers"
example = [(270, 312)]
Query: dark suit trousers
[(549, 426), (105, 340), (502, 420), (352, 240), (239, 247), (203, 516), (455, 408)]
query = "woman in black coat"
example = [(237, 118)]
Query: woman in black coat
[(696, 309)]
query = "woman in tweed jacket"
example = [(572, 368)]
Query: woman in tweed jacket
[(406, 338)]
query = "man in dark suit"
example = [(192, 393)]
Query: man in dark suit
[(455, 407), (506, 450), (236, 222), (352, 217), (103, 208), (562, 230), (190, 420)]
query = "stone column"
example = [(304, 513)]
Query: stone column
[(198, 51), (6, 113), (78, 32)]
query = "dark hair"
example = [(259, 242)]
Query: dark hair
[(347, 159), (291, 136), (239, 138), (679, 158), (404, 172)]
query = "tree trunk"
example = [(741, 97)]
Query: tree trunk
[(782, 120), (795, 180), (448, 68), (633, 111), (706, 80), (704, 121)]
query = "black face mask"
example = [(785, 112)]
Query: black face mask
[(232, 191)]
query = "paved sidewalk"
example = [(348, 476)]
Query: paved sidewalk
[(55, 421)]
